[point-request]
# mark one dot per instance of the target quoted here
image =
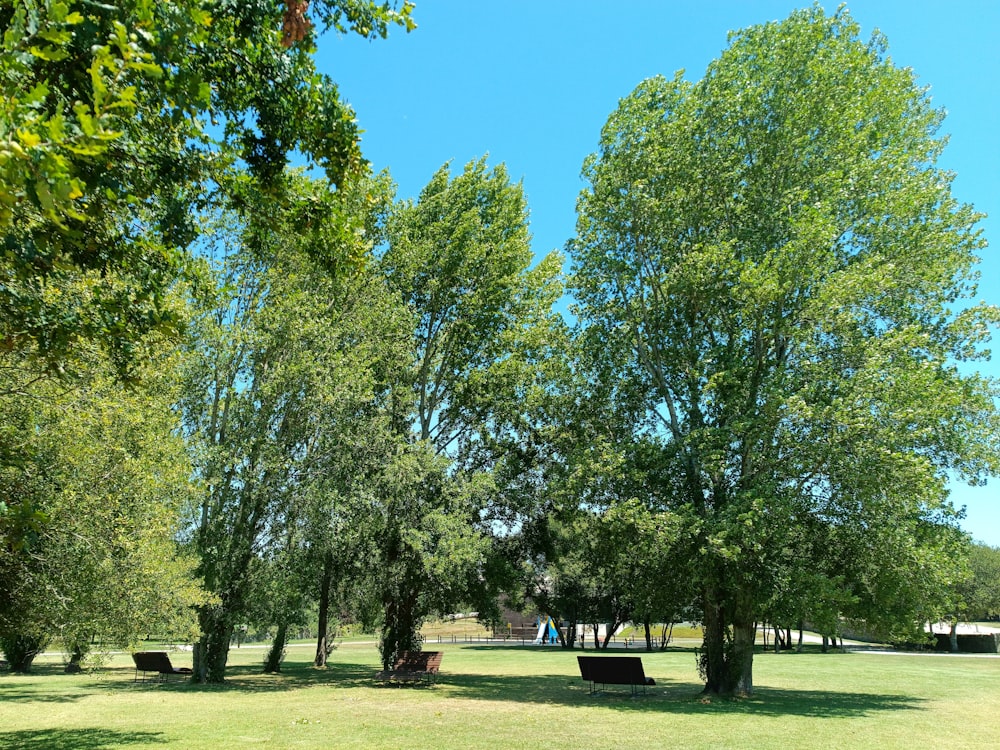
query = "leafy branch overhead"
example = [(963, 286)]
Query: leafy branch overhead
[(117, 122)]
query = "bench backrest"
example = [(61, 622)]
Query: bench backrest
[(152, 661), (614, 670), (418, 661)]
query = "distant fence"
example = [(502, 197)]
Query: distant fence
[(522, 639)]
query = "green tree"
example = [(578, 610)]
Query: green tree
[(976, 592), (982, 596), (787, 270), (105, 475), (460, 259), (284, 357)]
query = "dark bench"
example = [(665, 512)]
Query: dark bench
[(413, 666), (614, 670), (155, 662)]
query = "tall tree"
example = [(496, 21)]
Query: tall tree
[(460, 259), (786, 268), (278, 362)]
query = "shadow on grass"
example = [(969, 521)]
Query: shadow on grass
[(293, 676), (675, 697), (76, 739), (36, 696), (668, 696), (564, 689)]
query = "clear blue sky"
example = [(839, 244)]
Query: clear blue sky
[(531, 83)]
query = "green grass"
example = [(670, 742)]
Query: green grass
[(509, 697)]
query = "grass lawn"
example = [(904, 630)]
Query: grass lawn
[(491, 696)]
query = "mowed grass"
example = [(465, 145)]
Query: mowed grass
[(492, 696)]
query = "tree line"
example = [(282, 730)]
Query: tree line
[(235, 391)]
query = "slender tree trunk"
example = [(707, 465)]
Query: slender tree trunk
[(610, 633), (568, 640), (323, 620), (953, 637), (272, 664), (801, 628), (648, 628), (666, 634)]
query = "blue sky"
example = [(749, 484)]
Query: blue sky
[(531, 83)]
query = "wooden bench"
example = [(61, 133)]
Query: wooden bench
[(155, 662), (413, 666), (614, 670)]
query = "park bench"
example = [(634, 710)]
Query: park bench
[(613, 670), (413, 666), (155, 662)]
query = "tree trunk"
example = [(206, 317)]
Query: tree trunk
[(211, 652), (272, 664), (401, 630), (568, 640), (727, 651), (610, 632), (953, 637), (741, 667), (648, 628), (713, 650), (323, 620), (801, 628), (79, 651), (665, 635)]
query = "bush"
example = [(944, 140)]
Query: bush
[(21, 650)]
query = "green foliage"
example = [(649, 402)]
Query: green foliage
[(280, 374), (117, 122), (460, 260), (978, 592), (785, 277), (102, 475)]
